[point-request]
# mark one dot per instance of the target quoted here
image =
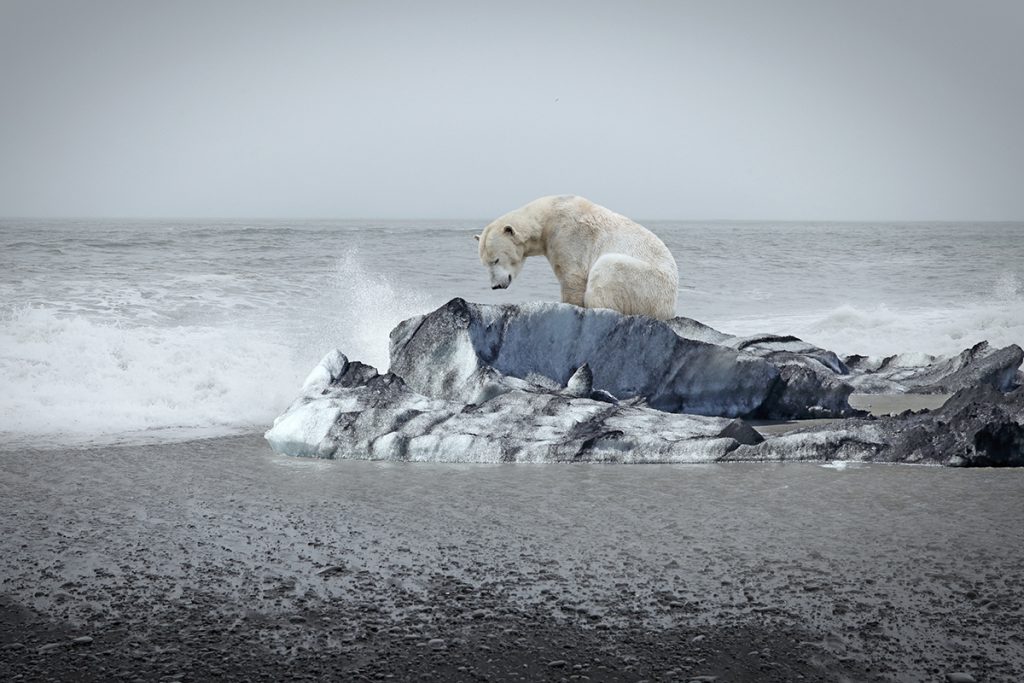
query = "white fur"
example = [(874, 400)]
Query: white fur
[(602, 259)]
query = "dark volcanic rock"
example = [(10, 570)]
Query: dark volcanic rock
[(976, 427), (469, 353)]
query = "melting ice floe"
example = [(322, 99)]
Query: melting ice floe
[(365, 415), (836, 465)]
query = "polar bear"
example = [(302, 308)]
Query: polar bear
[(601, 259)]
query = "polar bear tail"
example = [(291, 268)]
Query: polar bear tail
[(631, 286)]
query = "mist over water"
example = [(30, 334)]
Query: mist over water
[(122, 331)]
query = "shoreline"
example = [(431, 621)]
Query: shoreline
[(217, 558), (878, 405)]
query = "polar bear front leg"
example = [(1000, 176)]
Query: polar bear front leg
[(573, 295), (574, 286)]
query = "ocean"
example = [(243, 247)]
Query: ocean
[(125, 331)]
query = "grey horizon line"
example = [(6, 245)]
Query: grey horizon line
[(485, 221)]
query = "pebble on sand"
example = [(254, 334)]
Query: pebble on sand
[(333, 570), (959, 677)]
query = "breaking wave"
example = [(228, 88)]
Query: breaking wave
[(76, 380), (358, 308), (84, 378)]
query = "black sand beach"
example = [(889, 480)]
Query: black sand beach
[(217, 560)]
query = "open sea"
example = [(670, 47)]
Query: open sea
[(122, 331)]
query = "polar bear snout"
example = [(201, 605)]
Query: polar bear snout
[(501, 254), (500, 280)]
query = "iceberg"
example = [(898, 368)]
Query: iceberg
[(557, 383), (469, 353), (352, 411)]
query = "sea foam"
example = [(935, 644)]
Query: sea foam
[(882, 330), (356, 309), (69, 379), (84, 378)]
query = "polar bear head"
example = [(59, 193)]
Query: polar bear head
[(502, 251)]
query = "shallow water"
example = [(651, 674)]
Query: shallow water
[(115, 331)]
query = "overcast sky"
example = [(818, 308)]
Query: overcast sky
[(866, 110)]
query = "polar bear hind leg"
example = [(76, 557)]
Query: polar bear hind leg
[(630, 286)]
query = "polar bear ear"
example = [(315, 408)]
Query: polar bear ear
[(476, 237), (510, 231)]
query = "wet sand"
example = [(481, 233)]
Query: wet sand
[(220, 560)]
